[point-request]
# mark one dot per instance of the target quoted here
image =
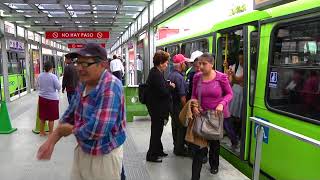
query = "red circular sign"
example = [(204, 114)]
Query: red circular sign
[(55, 35), (99, 34)]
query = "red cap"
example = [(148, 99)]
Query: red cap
[(179, 58)]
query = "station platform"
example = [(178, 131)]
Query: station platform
[(18, 151)]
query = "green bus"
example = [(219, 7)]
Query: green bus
[(281, 69), (16, 73)]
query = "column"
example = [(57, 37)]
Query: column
[(40, 54), (27, 59), (4, 63)]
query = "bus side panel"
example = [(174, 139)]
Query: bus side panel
[(283, 157), (14, 83)]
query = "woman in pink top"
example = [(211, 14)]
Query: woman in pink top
[(216, 94)]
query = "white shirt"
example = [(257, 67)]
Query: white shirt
[(139, 65), (239, 72), (116, 65)]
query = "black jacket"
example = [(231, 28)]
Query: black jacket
[(70, 78), (158, 96)]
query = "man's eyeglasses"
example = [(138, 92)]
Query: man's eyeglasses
[(85, 64)]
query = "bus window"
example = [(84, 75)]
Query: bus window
[(186, 49), (172, 50), (201, 45), (293, 85), (228, 49)]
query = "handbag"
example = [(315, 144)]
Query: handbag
[(209, 124)]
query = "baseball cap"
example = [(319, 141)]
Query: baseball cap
[(89, 50), (179, 58), (195, 55)]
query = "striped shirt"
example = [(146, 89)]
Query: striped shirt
[(99, 116)]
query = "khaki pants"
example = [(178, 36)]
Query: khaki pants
[(104, 167)]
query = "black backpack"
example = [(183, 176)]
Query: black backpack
[(142, 91)]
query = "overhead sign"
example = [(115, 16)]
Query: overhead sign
[(79, 45), (264, 4), (77, 35)]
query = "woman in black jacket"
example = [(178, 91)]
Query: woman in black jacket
[(158, 103)]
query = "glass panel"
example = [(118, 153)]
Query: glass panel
[(157, 8), (20, 31), (168, 3), (37, 37), (172, 50), (144, 17), (30, 35), (8, 27), (294, 74), (151, 11), (186, 49), (139, 23)]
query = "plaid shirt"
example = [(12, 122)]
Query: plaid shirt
[(98, 117)]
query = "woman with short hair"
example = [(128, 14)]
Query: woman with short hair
[(49, 86), (158, 103)]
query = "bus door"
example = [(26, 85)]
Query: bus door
[(233, 58), (251, 39)]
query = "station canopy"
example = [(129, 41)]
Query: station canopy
[(41, 16)]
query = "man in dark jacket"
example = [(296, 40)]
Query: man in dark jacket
[(70, 78), (178, 101)]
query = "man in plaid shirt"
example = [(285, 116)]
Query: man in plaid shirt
[(96, 117)]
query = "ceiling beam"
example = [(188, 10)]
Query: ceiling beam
[(84, 10), (6, 8), (59, 19), (63, 7), (78, 2)]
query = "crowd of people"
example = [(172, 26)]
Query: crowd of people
[(96, 112)]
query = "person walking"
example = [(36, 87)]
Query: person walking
[(48, 102), (70, 78), (96, 117), (116, 67), (216, 94)]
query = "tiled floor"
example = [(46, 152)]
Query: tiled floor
[(18, 151)]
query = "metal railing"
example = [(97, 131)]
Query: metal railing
[(259, 139)]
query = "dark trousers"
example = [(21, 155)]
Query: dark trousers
[(70, 95), (178, 131), (199, 154), (118, 74), (123, 174), (228, 125), (155, 145), (139, 76)]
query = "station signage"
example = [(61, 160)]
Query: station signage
[(79, 45), (77, 35), (264, 4), (15, 45)]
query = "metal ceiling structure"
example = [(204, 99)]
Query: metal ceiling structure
[(74, 15)]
